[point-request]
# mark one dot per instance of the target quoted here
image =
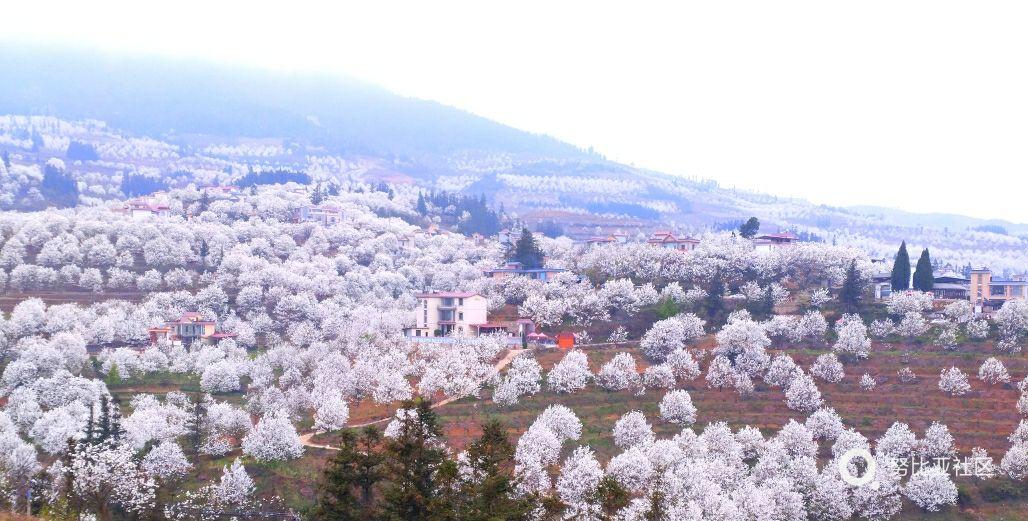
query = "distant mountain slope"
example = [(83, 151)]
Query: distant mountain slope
[(944, 220), (160, 96), (212, 124)]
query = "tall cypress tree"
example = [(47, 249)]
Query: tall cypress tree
[(901, 269), (852, 288), (103, 424), (924, 279), (195, 428), (715, 297), (422, 207), (117, 433), (527, 252)]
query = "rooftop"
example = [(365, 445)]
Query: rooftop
[(446, 294)]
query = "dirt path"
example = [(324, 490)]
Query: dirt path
[(305, 438)]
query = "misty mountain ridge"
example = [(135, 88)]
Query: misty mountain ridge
[(209, 123)]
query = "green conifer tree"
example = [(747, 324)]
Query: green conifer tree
[(113, 376), (494, 494), (852, 288), (749, 228), (924, 279), (901, 269), (527, 251), (611, 497), (413, 458), (352, 474)]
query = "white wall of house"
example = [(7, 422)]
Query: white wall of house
[(445, 314)]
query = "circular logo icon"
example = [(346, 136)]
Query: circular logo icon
[(869, 472)]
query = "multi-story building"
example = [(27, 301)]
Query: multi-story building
[(187, 328), (988, 293), (449, 312), (326, 215)]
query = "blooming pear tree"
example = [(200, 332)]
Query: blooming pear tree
[(802, 394), (993, 372), (953, 382), (677, 407), (632, 430), (828, 368), (571, 374), (669, 335)]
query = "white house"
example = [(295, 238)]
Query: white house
[(443, 313)]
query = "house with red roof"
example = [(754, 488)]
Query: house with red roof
[(155, 205), (442, 313), (666, 239), (189, 327)]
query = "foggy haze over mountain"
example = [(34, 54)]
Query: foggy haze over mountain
[(910, 101)]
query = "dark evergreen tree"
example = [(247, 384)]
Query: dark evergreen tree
[(852, 288), (316, 195), (611, 497), (413, 458), (272, 177), (749, 228), (204, 251), (347, 489), (715, 297), (117, 432), (493, 494), (195, 428), (924, 278), (901, 269), (103, 421), (657, 510), (58, 188), (205, 201), (90, 432), (134, 185), (422, 207), (550, 229), (78, 151), (527, 252)]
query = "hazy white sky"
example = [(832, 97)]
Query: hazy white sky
[(921, 105)]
